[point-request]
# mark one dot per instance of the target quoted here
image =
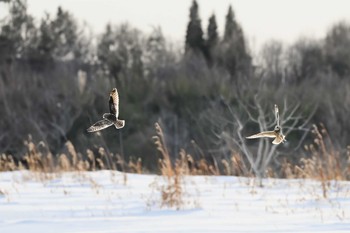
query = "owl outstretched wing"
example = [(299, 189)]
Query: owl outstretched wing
[(102, 124), (265, 134)]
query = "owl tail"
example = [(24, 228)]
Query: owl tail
[(119, 124)]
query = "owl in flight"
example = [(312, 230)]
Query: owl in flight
[(276, 133), (110, 118)]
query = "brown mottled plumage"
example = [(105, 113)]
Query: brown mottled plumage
[(110, 118)]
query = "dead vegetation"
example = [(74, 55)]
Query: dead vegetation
[(171, 192), (320, 161), (38, 158)]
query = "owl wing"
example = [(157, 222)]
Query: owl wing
[(99, 125), (266, 134), (277, 115), (114, 102)]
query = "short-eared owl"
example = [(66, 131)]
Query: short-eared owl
[(110, 118), (276, 133)]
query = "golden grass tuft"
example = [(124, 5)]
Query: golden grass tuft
[(7, 163), (234, 166), (322, 162), (135, 167), (38, 158), (171, 192)]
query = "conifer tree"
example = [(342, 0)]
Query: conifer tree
[(230, 25), (194, 33), (213, 39), (233, 31), (233, 49), (213, 36)]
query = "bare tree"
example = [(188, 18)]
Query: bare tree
[(259, 157), (272, 59)]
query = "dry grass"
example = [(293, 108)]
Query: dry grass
[(235, 166), (321, 162), (38, 158), (172, 193)]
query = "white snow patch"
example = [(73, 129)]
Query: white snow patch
[(100, 202)]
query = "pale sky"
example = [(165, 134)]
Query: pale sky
[(262, 20)]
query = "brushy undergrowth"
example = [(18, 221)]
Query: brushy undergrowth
[(320, 161)]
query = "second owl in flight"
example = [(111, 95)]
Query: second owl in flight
[(276, 133)]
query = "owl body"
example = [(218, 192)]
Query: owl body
[(110, 118)]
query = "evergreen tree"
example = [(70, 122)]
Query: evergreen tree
[(233, 49), (213, 39), (233, 32), (230, 25), (213, 36), (194, 33)]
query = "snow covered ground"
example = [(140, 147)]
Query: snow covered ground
[(101, 202)]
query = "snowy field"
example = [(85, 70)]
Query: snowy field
[(102, 202)]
